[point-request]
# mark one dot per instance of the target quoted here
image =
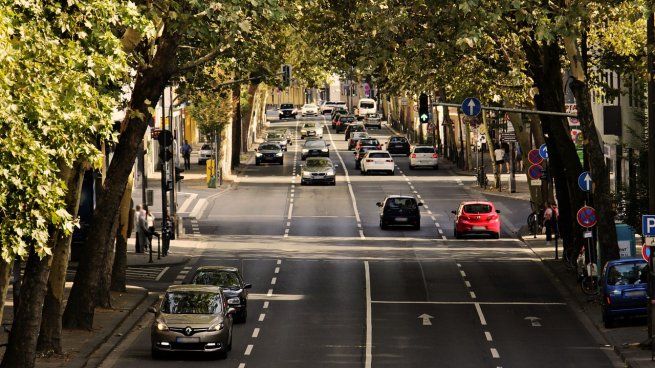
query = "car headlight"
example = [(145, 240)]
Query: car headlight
[(305, 150), (279, 154), (217, 327), (324, 150), (258, 154), (306, 174), (330, 172), (235, 300), (161, 326)]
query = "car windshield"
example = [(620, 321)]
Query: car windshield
[(347, 119), (378, 155), (269, 147), (286, 106), (310, 106), (274, 136), (206, 147), (366, 105), (223, 279), (401, 203), (359, 135), (315, 144), (191, 302), (367, 148), (318, 163), (628, 274), (308, 126), (356, 128), (423, 150), (477, 208), (398, 140), (370, 142)]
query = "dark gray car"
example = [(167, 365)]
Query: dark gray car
[(319, 170), (315, 148), (269, 152), (230, 281)]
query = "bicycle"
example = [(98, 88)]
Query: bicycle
[(589, 279), (535, 220), (483, 181)]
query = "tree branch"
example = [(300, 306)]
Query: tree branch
[(197, 62)]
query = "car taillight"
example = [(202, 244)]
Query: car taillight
[(413, 155), (492, 217), (434, 155), (389, 160), (609, 301)]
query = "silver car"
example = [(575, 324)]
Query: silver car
[(275, 137), (192, 318), (318, 170)]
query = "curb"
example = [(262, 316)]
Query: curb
[(98, 343)]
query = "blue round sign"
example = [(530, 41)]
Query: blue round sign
[(543, 151), (584, 181), (471, 106)]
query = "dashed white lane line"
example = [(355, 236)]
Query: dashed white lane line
[(473, 296), (277, 269), (368, 360), (494, 353), (461, 272), (266, 304), (273, 280), (270, 292), (255, 332), (483, 321), (261, 317), (242, 365), (279, 261), (467, 283), (248, 350), (487, 335)]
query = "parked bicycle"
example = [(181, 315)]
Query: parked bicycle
[(535, 220), (588, 276), (483, 181)]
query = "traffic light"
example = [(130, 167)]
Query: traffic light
[(178, 177), (165, 153), (286, 74), (423, 108)]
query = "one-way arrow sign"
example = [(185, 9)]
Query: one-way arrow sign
[(426, 319), (471, 106), (584, 181)]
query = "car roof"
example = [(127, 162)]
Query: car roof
[(378, 151), (217, 268), (400, 196), (194, 287), (476, 202)]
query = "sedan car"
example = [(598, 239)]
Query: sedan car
[(368, 142), (315, 148), (311, 129), (352, 128), (192, 318), (398, 145), (344, 122), (400, 210), (309, 110), (269, 152), (318, 170), (230, 281), (377, 161), (286, 132), (287, 111), (354, 139), (373, 121), (624, 289), (360, 152), (480, 218), (275, 137), (423, 156), (205, 153)]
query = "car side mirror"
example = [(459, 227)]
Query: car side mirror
[(420, 203), (152, 310), (327, 145), (230, 311), (453, 212), (497, 211), (379, 204), (256, 149), (247, 286)]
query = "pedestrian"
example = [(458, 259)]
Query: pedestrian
[(499, 154), (137, 214), (150, 225), (186, 153), (555, 221), (142, 231), (548, 222), (506, 156), (519, 157)]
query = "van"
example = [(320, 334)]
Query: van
[(366, 106)]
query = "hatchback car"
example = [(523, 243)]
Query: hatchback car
[(398, 145), (205, 153), (269, 152), (318, 170), (309, 110), (278, 138), (344, 122), (352, 128), (230, 281), (480, 218), (315, 148), (624, 289), (423, 156), (192, 318), (287, 111), (354, 138), (377, 161), (400, 210)]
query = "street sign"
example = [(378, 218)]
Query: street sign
[(535, 171), (587, 216), (508, 137), (534, 157), (471, 106), (543, 151), (648, 225), (645, 252), (584, 181)]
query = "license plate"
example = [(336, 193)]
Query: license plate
[(187, 340), (401, 219), (635, 293), (479, 228)]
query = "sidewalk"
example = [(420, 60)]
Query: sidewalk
[(624, 339)]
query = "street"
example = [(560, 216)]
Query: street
[(331, 289)]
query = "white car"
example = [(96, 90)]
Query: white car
[(205, 153), (277, 138), (327, 107), (366, 106), (311, 130), (423, 156), (377, 160), (309, 109)]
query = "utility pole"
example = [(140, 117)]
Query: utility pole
[(176, 151), (650, 31), (164, 162)]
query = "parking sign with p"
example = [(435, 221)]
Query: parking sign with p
[(648, 225)]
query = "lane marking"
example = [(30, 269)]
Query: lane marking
[(467, 283), (273, 280), (459, 265), (242, 365), (494, 353), (279, 261), (277, 269), (270, 292), (487, 334), (266, 304), (369, 325), (462, 273), (483, 320), (472, 295), (290, 211), (255, 332), (248, 350), (161, 273), (262, 316)]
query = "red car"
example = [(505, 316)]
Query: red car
[(477, 218)]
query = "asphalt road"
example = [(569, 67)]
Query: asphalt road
[(330, 289)]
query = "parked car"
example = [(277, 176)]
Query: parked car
[(287, 111), (400, 210), (423, 156), (368, 141), (624, 289), (269, 152), (309, 110), (278, 138), (318, 170), (206, 153), (192, 318), (354, 138), (344, 122), (315, 148), (350, 129), (477, 217), (229, 279), (377, 161), (373, 120), (398, 145), (311, 129), (361, 152)]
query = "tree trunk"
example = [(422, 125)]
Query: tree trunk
[(249, 115), (484, 129), (104, 285), (118, 279), (21, 348), (5, 278), (236, 125), (148, 87), (53, 304)]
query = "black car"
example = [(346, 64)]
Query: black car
[(354, 128), (359, 154), (400, 210), (287, 111), (269, 152), (343, 122), (230, 280), (398, 145), (315, 148)]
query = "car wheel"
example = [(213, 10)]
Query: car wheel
[(607, 320), (156, 354), (383, 226), (281, 162), (302, 137), (362, 171), (417, 227), (412, 167), (334, 182), (240, 318), (257, 163), (392, 172), (457, 235), (496, 236), (436, 167), (303, 158)]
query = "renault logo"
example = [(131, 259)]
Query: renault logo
[(188, 331)]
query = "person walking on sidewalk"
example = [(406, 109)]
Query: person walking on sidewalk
[(150, 226), (499, 155), (137, 214), (186, 153), (519, 158), (141, 230), (548, 222)]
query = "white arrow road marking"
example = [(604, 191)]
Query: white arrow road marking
[(426, 319), (534, 321)]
